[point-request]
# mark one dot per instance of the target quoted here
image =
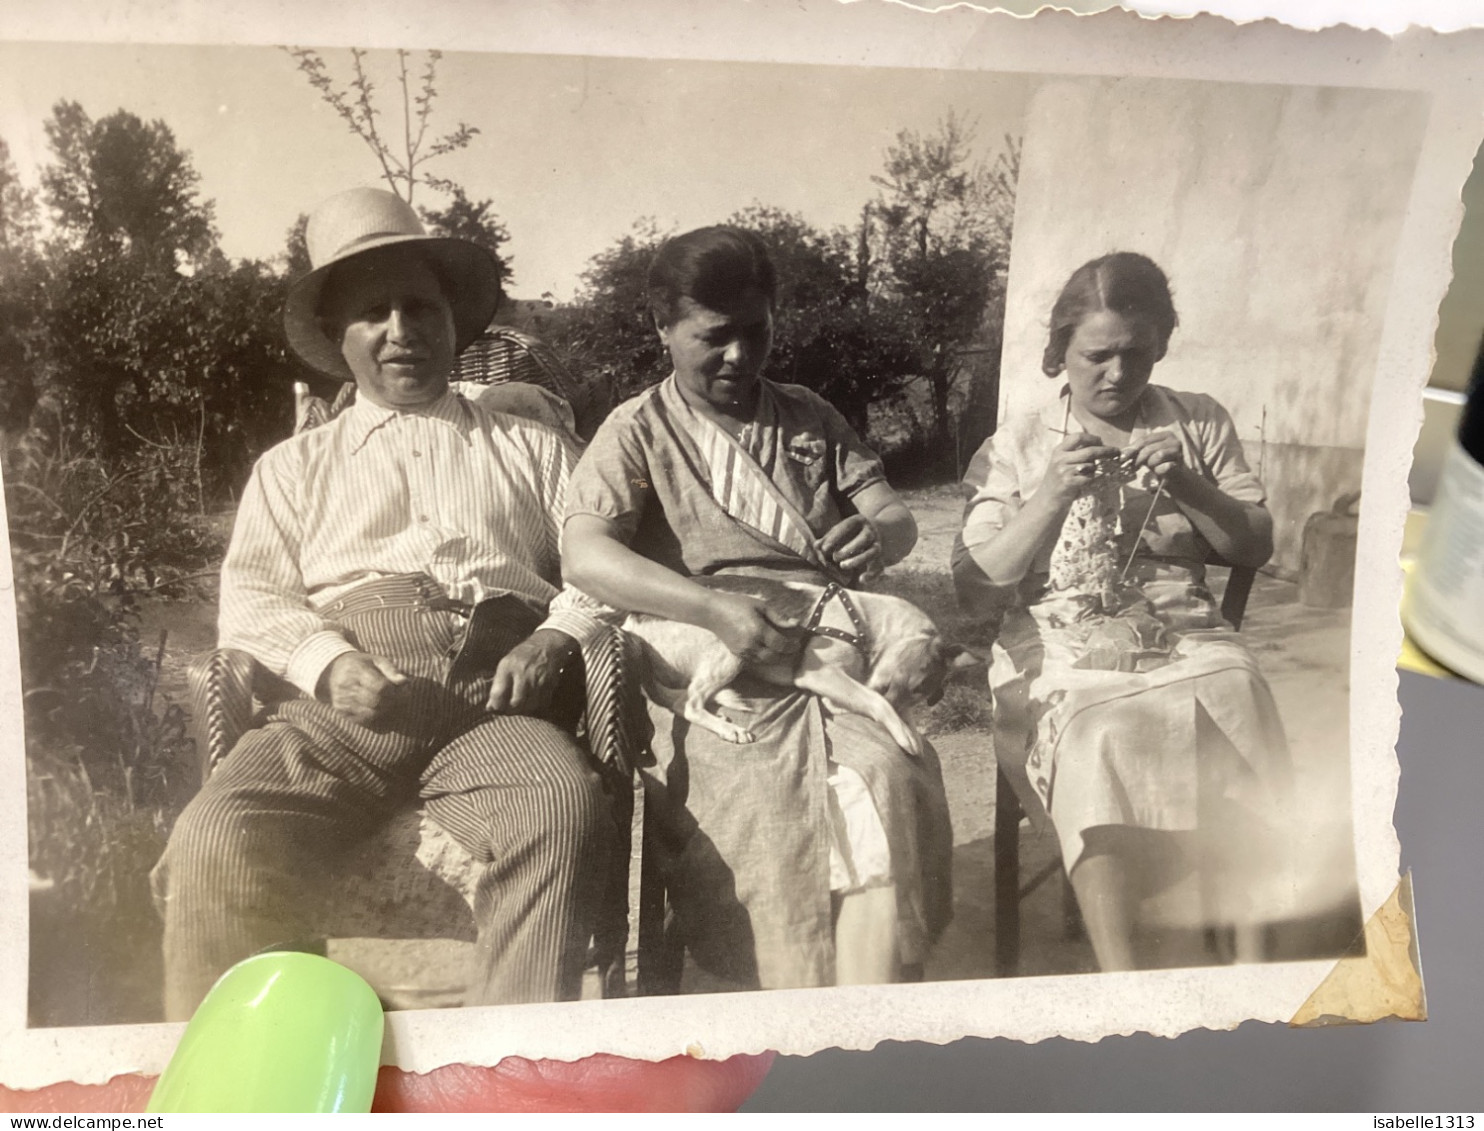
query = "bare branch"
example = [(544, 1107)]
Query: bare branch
[(411, 150), (424, 101), (359, 115), (355, 103), (391, 168), (457, 139)]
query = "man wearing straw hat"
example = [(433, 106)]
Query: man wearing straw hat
[(396, 565)]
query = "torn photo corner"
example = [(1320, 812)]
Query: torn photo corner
[(995, 239)]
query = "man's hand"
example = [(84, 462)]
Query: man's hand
[(362, 687), (527, 677)]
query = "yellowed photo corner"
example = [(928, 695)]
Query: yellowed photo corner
[(1086, 1007), (1384, 983)]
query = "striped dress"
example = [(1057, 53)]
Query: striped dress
[(746, 830)]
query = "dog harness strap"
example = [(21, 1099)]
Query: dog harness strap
[(859, 639)]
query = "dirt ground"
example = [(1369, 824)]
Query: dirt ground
[(1303, 652)]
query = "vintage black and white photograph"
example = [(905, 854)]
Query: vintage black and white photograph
[(563, 529)]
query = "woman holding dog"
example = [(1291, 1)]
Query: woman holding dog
[(818, 853), (1123, 700)]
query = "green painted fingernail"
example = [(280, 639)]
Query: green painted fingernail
[(278, 1032)]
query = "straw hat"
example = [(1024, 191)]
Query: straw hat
[(362, 220)]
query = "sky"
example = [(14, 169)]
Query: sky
[(572, 150)]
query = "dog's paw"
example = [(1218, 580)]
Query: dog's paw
[(910, 741)]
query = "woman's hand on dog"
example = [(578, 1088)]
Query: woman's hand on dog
[(743, 626)]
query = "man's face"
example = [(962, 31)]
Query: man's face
[(396, 329)]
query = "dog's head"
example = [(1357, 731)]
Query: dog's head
[(915, 669)]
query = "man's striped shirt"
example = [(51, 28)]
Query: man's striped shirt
[(471, 497)]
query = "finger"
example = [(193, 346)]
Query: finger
[(531, 694), (1091, 455), (599, 1083), (520, 698), (359, 713), (501, 689), (121, 1094), (840, 533), (862, 543), (858, 561), (1079, 440), (390, 670), (1158, 456), (534, 698)]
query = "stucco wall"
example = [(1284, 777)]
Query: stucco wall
[(1276, 221)]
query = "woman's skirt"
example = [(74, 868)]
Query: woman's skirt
[(753, 838), (1193, 745)]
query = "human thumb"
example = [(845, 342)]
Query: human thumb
[(389, 669)]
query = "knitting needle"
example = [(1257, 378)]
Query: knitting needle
[(1066, 420), (1158, 491)]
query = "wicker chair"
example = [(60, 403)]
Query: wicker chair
[(409, 879)]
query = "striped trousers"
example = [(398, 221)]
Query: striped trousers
[(251, 854)]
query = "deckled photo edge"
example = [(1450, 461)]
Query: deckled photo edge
[(944, 1011)]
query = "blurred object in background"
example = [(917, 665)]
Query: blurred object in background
[(1327, 563), (1443, 608)]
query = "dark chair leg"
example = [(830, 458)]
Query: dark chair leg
[(661, 955), (1007, 814), (1071, 913)]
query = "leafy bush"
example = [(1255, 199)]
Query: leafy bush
[(109, 763), (962, 708)]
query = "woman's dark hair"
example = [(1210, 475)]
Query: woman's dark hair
[(1125, 283), (709, 266)]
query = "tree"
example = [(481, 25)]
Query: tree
[(121, 184), (915, 294), (18, 271), (403, 157), (146, 337), (607, 333), (18, 219), (827, 336), (130, 228), (295, 254), (472, 220), (936, 241)]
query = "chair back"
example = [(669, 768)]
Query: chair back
[(503, 353)]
